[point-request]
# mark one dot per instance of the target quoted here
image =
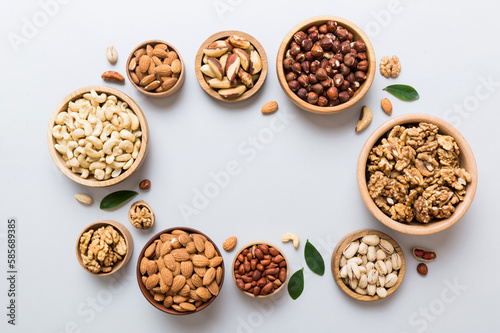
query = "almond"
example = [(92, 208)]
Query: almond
[(187, 306), (197, 280), (269, 107), (187, 269), (215, 261), (169, 83), (147, 80), (156, 61), (144, 265), (169, 261), (150, 251), (163, 70), (152, 281), (153, 85), (200, 271), (180, 254), (209, 276), (144, 62), (165, 248), (178, 283), (184, 239), (134, 77), (161, 46), (152, 268), (218, 275), (112, 76), (199, 243), (200, 261), (162, 54), (166, 276), (180, 299), (209, 250), (149, 50), (184, 291), (386, 106), (139, 53), (191, 248), (132, 64), (203, 293), (166, 237), (176, 66), (213, 287)]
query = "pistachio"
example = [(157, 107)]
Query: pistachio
[(363, 281), (386, 246), (360, 291), (372, 276), (381, 281), (353, 283), (388, 264), (371, 289), (381, 292), (353, 271), (343, 272), (351, 249), (381, 255), (396, 261), (356, 260), (372, 253), (363, 248), (343, 261), (390, 280), (372, 240), (381, 267)]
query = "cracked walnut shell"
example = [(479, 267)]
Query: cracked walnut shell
[(141, 215)]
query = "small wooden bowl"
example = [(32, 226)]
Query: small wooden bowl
[(122, 231), (270, 245), (466, 159), (199, 62), (91, 181), (146, 293), (170, 91), (141, 203), (358, 94), (337, 254)]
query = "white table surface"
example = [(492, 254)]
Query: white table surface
[(301, 179)]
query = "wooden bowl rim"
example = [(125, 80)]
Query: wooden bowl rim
[(91, 181), (358, 95), (466, 156), (337, 253), (123, 232), (162, 94), (270, 245), (146, 293), (199, 59)]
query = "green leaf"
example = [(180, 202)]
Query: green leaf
[(116, 198), (314, 260), (403, 92), (296, 284)]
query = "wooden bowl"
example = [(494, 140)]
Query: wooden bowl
[(91, 181), (466, 159), (270, 245), (358, 94), (146, 293), (122, 231), (170, 91), (199, 62), (337, 254)]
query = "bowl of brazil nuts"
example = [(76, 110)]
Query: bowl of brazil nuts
[(368, 265), (156, 68), (180, 271), (104, 247), (98, 136), (231, 66), (260, 269), (417, 174), (325, 64)]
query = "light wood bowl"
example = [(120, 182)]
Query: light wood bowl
[(122, 231), (270, 245), (146, 293), (91, 181), (170, 91), (199, 62), (337, 253), (466, 159), (358, 94)]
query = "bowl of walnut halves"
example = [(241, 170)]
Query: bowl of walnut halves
[(417, 174)]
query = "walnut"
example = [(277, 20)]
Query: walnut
[(85, 240), (141, 215), (406, 156), (390, 67), (401, 212)]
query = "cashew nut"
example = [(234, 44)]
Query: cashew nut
[(126, 135), (57, 132), (365, 118), (108, 146), (126, 146), (290, 236), (95, 142)]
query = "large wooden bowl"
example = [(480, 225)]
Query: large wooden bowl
[(199, 62), (358, 94), (466, 159), (337, 254), (170, 91), (122, 231), (150, 297), (91, 181), (270, 245)]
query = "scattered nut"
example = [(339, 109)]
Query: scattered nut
[(290, 236), (365, 118), (111, 54), (390, 67), (424, 255), (269, 107), (422, 269), (386, 106), (141, 215), (229, 243), (83, 198), (112, 76), (145, 184)]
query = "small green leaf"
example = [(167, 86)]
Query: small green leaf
[(314, 260), (296, 284), (116, 198), (403, 92)]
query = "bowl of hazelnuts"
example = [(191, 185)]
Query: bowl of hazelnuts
[(325, 64)]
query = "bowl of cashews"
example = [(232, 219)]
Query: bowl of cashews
[(98, 136)]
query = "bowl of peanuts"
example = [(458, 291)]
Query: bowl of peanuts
[(180, 271), (98, 136)]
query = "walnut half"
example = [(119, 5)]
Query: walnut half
[(141, 215)]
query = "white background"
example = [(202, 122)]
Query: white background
[(303, 180)]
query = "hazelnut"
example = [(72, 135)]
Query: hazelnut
[(334, 63), (294, 85), (361, 56), (422, 269), (345, 47), (323, 63), (312, 98), (355, 86), (329, 70), (350, 77), (317, 51), (290, 76), (344, 86), (343, 96), (350, 36), (294, 50), (297, 68), (313, 79), (322, 101), (349, 59), (327, 83), (306, 66), (299, 36), (315, 65), (353, 51), (312, 29), (287, 63), (303, 80), (302, 93), (339, 57), (359, 46), (342, 34), (362, 65), (300, 57), (317, 88), (336, 46), (327, 44), (332, 93), (306, 44), (350, 91), (360, 76), (329, 55), (331, 26), (145, 184), (309, 56), (323, 29), (321, 74), (334, 102), (338, 79), (344, 70), (314, 36)]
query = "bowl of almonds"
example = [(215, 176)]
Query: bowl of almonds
[(156, 68), (368, 265), (180, 271), (260, 269)]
